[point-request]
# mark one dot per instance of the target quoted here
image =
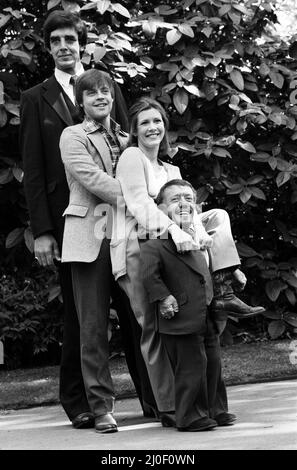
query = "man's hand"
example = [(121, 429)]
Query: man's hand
[(183, 241), (46, 250), (239, 279), (168, 307)]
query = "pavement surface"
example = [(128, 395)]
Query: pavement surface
[(267, 420)]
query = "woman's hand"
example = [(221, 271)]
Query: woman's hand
[(182, 240)]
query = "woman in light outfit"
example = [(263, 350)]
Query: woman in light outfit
[(141, 174)]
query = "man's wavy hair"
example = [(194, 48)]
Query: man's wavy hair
[(143, 104), (61, 19), (176, 182), (91, 80)]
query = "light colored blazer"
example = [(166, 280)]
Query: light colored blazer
[(88, 167), (142, 215)]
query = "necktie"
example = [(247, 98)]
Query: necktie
[(72, 80)]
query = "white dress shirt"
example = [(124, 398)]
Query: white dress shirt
[(63, 79)]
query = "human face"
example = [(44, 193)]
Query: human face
[(179, 202), (65, 49), (97, 104), (150, 129)]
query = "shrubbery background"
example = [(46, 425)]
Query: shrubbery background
[(229, 83)]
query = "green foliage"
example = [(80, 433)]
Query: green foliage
[(230, 88), (29, 325)]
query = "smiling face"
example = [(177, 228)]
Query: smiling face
[(150, 129), (179, 202), (65, 49), (97, 104)]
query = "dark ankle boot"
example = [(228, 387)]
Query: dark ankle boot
[(225, 302)]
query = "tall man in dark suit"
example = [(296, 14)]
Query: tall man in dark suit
[(46, 110)]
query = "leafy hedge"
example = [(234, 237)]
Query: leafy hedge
[(230, 88)]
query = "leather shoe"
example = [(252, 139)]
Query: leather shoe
[(232, 305), (105, 423), (168, 420), (203, 424), (225, 419), (83, 421)]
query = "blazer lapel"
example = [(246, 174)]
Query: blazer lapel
[(54, 96), (103, 150), (194, 259)]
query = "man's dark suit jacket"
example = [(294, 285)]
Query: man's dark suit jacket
[(164, 272), (46, 187)]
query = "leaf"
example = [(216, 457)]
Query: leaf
[(147, 62), (14, 237), (276, 329), (99, 53), (193, 89), (220, 152), (5, 176), (29, 239), (52, 4), (246, 146), (276, 78), (246, 251), (149, 28), (3, 120), (70, 6), (290, 317), (235, 189), (24, 56), (255, 179), (260, 157), (201, 195), (274, 288), (224, 9), (54, 292), (290, 279), (180, 100), (121, 10), (4, 19), (237, 79), (257, 192), (18, 174), (282, 178), (102, 6), (245, 195), (186, 30), (173, 36)]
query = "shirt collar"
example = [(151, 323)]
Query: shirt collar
[(91, 126), (63, 77)]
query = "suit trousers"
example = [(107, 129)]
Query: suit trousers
[(72, 390), (71, 385), (223, 253), (92, 291), (199, 388), (153, 351)]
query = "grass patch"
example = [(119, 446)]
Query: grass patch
[(242, 363)]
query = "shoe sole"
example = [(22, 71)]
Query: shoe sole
[(203, 428), (239, 315), (107, 431)]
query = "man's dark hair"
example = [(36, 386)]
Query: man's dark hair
[(177, 182), (61, 19), (91, 80)]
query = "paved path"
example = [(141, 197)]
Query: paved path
[(267, 420)]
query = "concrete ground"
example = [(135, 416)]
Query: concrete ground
[(267, 420)]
